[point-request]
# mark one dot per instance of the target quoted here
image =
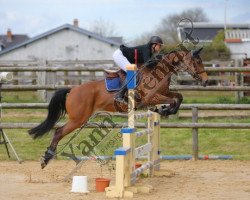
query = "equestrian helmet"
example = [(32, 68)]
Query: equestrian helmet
[(155, 40)]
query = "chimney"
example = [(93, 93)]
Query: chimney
[(9, 35), (75, 23)]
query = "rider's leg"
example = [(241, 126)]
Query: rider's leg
[(122, 62), (120, 95)]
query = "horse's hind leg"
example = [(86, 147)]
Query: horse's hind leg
[(59, 134)]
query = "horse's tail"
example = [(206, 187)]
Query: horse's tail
[(56, 110)]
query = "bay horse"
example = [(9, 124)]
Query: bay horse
[(82, 101)]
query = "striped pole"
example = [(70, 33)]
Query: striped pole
[(126, 174), (129, 132)]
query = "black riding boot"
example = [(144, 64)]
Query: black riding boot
[(120, 95)]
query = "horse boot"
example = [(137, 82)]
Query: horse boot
[(121, 93), (49, 154), (164, 111)]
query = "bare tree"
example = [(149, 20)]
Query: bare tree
[(143, 39), (103, 27), (167, 28)]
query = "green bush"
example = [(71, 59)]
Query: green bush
[(217, 50), (245, 100)]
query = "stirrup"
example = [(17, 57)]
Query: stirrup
[(121, 100)]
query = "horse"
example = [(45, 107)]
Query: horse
[(82, 101)]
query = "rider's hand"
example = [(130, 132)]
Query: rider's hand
[(151, 64), (159, 56)]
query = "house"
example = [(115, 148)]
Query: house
[(67, 42), (237, 36), (64, 43), (9, 40), (238, 41)]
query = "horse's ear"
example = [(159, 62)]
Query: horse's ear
[(197, 52)]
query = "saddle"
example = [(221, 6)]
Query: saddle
[(114, 79)]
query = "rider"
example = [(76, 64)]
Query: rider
[(126, 55)]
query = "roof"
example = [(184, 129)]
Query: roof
[(16, 39), (205, 32), (214, 25), (60, 28), (116, 39)]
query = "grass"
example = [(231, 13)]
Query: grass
[(173, 141), (20, 97)]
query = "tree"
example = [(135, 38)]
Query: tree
[(216, 50), (167, 28), (104, 28)]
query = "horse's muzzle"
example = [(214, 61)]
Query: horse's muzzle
[(204, 83)]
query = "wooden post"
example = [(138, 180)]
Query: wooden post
[(195, 134), (238, 81), (41, 79), (128, 137), (154, 139), (119, 174), (92, 76), (66, 81), (122, 167), (15, 82), (50, 80), (151, 140)]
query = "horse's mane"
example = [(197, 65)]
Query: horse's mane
[(175, 51), (162, 55)]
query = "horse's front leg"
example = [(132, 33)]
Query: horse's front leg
[(174, 100), (177, 97)]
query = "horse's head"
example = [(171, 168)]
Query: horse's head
[(195, 66), (190, 62)]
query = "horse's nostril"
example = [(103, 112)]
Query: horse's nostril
[(205, 83)]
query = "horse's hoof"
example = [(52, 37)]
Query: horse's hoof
[(43, 163), (164, 113), (154, 109)]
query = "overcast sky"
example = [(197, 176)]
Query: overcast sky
[(130, 17)]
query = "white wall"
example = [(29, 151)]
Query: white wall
[(239, 49), (63, 45)]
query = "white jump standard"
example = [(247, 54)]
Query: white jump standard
[(126, 174)]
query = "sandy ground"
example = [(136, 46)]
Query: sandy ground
[(227, 180)]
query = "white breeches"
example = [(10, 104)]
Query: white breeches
[(120, 59)]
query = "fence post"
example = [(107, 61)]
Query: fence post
[(238, 81), (151, 140), (154, 139), (195, 134), (41, 79)]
